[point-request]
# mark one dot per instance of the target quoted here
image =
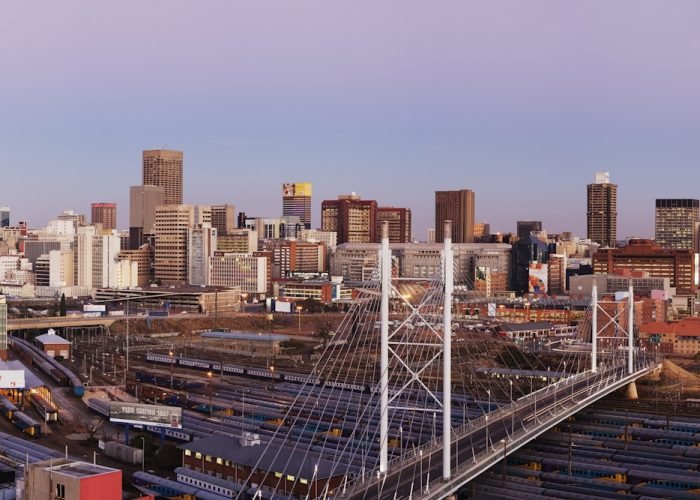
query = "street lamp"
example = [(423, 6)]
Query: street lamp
[(209, 374), (172, 364), (420, 452), (505, 455), (401, 438), (272, 372), (299, 308), (143, 454), (512, 412)]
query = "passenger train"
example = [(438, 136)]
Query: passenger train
[(257, 372)]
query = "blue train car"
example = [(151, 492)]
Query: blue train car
[(27, 424)]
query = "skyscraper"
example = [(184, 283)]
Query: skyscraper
[(352, 218), (143, 201), (4, 216), (296, 200), (223, 218), (105, 214), (162, 167), (526, 227), (677, 223), (172, 226), (602, 210), (457, 206), (399, 220)]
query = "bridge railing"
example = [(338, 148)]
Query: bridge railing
[(604, 377)]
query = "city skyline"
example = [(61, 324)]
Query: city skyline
[(256, 101)]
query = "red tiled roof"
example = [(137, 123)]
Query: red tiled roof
[(687, 327)]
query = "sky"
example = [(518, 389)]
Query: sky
[(521, 102)]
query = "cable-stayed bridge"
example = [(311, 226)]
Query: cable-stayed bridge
[(409, 401)]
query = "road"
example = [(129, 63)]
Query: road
[(407, 479)]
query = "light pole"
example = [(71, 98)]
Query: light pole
[(299, 308), (512, 412), (272, 372), (488, 410), (420, 453), (209, 374), (143, 454), (401, 438), (172, 364), (505, 455)]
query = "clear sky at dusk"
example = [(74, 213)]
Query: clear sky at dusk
[(521, 101)]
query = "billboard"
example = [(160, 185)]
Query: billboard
[(538, 278), (11, 379), (137, 413), (101, 308), (296, 189)]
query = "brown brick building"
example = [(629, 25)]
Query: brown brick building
[(644, 255), (352, 218), (457, 206), (105, 214), (399, 220)]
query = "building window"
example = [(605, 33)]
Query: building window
[(197, 455), (208, 458), (60, 491), (188, 453), (219, 461)]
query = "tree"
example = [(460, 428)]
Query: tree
[(62, 307), (324, 326), (92, 425)]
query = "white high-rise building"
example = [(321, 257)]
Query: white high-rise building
[(239, 270), (61, 272), (105, 265), (201, 244), (82, 256)]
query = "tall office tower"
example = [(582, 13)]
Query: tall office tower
[(3, 327), (201, 245), (61, 272), (296, 200), (677, 223), (223, 218), (431, 235), (105, 214), (162, 167), (602, 210), (527, 227), (352, 218), (399, 220), (105, 267), (457, 206), (82, 256), (143, 201), (481, 230), (172, 226), (556, 274), (4, 216)]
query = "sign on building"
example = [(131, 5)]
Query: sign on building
[(143, 414), (11, 379)]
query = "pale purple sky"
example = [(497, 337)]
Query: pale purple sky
[(520, 101)]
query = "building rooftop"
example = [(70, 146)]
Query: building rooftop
[(275, 458), (74, 468), (52, 338), (689, 327), (31, 381)]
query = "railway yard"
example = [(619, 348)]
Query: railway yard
[(643, 449)]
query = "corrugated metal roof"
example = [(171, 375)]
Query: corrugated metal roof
[(50, 338), (278, 458), (253, 336)]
